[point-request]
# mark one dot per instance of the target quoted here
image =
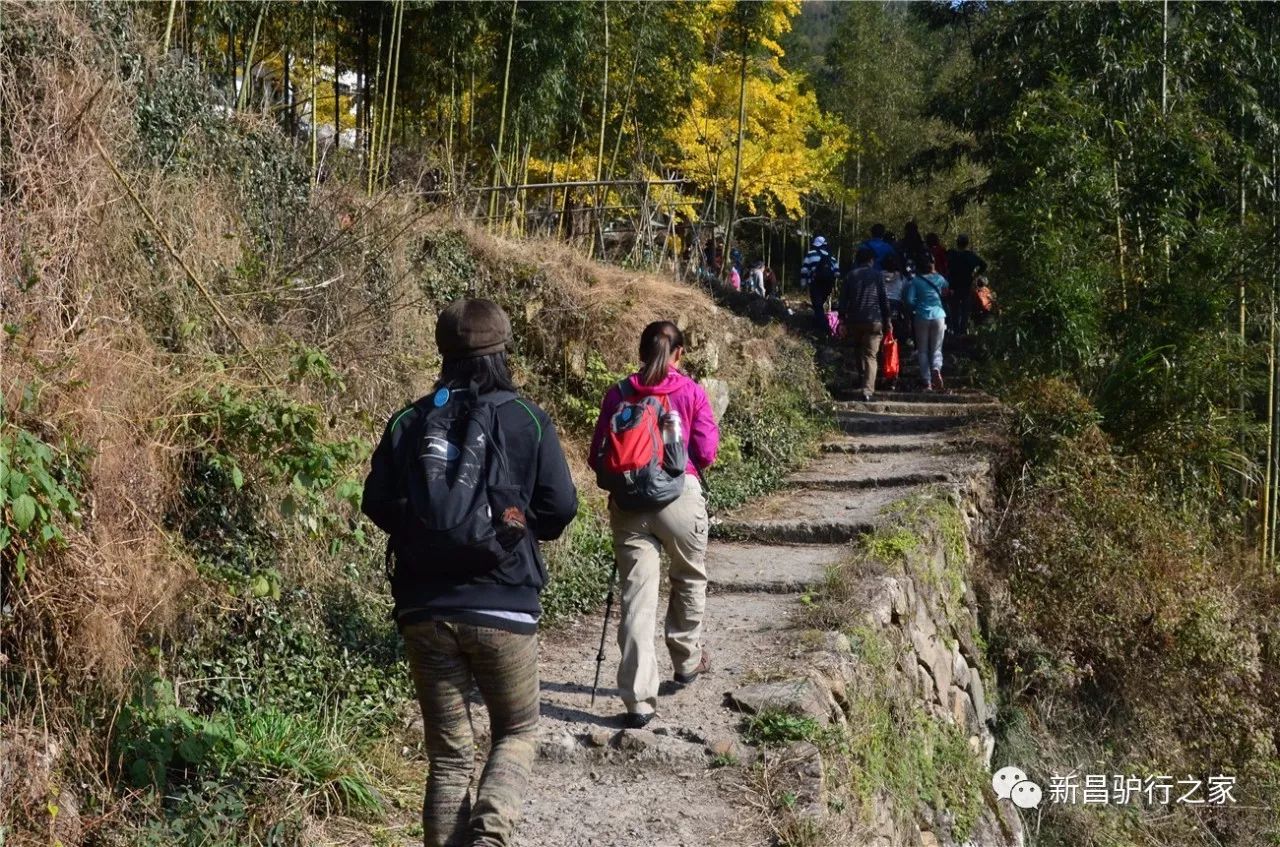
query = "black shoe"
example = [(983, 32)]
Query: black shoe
[(704, 665), (636, 720)]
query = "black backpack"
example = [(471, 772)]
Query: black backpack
[(825, 273), (465, 514)]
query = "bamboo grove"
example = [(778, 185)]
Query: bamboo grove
[(1132, 151), (1119, 161)]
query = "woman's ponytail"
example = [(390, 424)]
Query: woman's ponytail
[(658, 343)]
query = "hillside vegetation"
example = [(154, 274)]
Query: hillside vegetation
[(199, 347)]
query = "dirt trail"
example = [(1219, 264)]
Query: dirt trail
[(597, 784)]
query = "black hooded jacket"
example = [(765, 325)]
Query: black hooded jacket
[(536, 462)]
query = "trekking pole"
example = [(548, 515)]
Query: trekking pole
[(604, 631)]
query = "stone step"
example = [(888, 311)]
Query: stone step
[(622, 746), (861, 446), (904, 480), (867, 423), (799, 531), (807, 516), (893, 406), (891, 444), (887, 470), (769, 568), (959, 396)]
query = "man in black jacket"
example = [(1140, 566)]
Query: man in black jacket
[(963, 266), (462, 627), (864, 306)]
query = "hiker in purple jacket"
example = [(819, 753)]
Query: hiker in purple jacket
[(678, 528)]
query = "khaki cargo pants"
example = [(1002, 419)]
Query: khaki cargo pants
[(639, 538)]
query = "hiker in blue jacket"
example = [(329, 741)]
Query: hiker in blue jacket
[(880, 246), (924, 294)]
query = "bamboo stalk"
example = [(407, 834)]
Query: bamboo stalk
[(398, 40), (573, 146), (453, 116), (626, 105), (1268, 478), (242, 97), (314, 111), (337, 90), (371, 110), (1124, 287), (1241, 294), (604, 114), (1274, 406), (233, 70), (522, 196), (737, 159), (502, 119), (168, 27)]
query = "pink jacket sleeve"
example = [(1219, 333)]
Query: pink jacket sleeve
[(704, 432)]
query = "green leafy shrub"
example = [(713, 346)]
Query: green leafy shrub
[(211, 813), (247, 448), (300, 654), (769, 428), (184, 125), (37, 496), (774, 726), (446, 267), (159, 743), (578, 567), (583, 395)]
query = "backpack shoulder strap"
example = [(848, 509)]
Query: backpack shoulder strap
[(403, 421)]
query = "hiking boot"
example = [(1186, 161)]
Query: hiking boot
[(936, 378), (704, 665), (638, 720)]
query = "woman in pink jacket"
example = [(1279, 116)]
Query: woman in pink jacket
[(679, 528)]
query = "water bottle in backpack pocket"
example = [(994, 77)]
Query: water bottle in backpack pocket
[(465, 513), (642, 460)]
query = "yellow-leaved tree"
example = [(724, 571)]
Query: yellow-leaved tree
[(744, 96)]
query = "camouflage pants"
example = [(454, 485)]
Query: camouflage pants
[(446, 660)]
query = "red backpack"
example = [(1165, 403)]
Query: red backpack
[(642, 459)]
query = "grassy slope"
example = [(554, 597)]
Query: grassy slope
[(193, 602)]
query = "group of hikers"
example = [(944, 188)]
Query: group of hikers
[(470, 479), (757, 278), (912, 290), (467, 482)]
